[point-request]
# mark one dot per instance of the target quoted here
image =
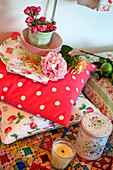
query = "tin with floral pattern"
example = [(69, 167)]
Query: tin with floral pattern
[(93, 134)]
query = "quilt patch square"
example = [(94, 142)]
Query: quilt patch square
[(27, 151), (43, 157), (47, 143), (69, 135), (34, 140), (20, 163), (6, 159), (13, 147)]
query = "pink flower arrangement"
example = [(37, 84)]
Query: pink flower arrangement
[(41, 24), (54, 66)]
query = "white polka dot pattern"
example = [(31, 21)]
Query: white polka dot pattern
[(82, 81), (19, 106), (42, 107), (20, 84), (68, 88), (23, 97), (5, 89), (61, 117), (1, 76), (72, 101), (87, 72), (54, 89), (93, 66), (73, 77), (77, 90), (38, 93), (38, 115), (57, 103), (2, 97)]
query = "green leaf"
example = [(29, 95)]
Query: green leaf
[(66, 49), (0, 118), (98, 64), (36, 128), (15, 136), (21, 116), (83, 106), (2, 44), (98, 73), (17, 121), (29, 132), (18, 114), (30, 117), (101, 60), (4, 59), (109, 61)]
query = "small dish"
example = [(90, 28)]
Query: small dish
[(35, 53)]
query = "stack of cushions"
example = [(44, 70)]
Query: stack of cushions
[(53, 101), (16, 124)]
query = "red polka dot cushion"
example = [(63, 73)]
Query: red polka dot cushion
[(53, 101)]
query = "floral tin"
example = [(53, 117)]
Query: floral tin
[(93, 134)]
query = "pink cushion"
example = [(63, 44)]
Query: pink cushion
[(53, 101)]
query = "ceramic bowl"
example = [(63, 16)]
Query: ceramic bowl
[(35, 53)]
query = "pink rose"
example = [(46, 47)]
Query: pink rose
[(54, 66), (41, 28)]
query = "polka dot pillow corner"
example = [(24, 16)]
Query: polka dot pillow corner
[(53, 101)]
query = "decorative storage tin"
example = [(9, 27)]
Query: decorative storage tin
[(93, 134)]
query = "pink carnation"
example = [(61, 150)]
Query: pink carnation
[(29, 19), (41, 28), (27, 10), (54, 66), (33, 30), (42, 19)]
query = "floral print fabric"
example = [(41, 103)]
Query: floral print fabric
[(16, 124), (100, 92), (17, 62), (99, 5)]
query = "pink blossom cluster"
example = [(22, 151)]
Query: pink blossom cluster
[(54, 66), (40, 24), (32, 10)]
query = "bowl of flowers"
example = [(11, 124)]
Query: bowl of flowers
[(39, 37)]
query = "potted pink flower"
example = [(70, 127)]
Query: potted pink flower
[(40, 30)]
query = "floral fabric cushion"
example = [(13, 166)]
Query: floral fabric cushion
[(53, 101), (100, 93), (16, 124)]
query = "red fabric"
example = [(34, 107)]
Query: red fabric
[(53, 101)]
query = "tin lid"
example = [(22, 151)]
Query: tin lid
[(96, 124)]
